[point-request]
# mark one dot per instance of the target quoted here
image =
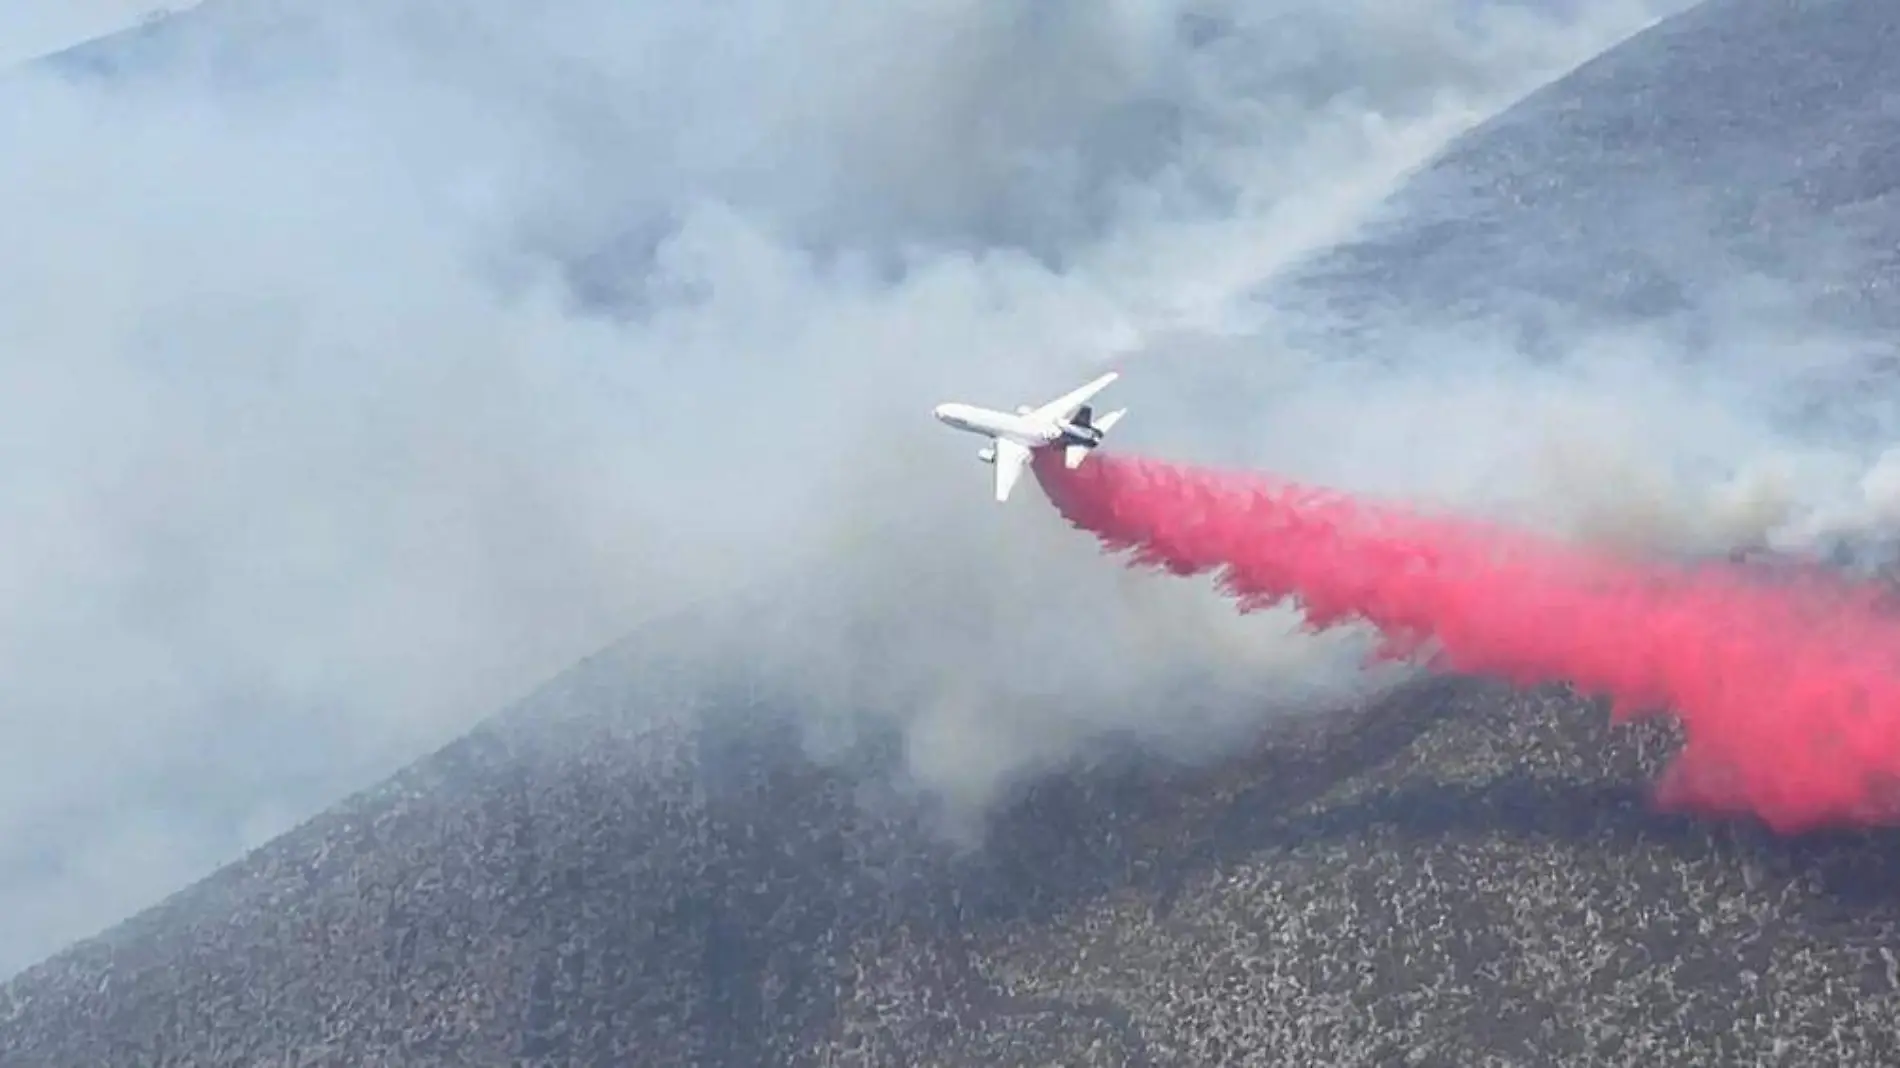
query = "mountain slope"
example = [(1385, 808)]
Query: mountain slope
[(1736, 138), (1458, 875)]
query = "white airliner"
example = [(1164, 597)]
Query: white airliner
[(1067, 421)]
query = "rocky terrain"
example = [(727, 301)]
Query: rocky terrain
[(623, 870), (1457, 876), (1738, 137)]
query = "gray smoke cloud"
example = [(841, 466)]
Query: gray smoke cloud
[(362, 364)]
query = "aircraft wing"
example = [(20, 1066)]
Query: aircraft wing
[(1010, 460), (1065, 406)]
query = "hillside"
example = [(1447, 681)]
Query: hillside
[(1729, 169), (1458, 875)]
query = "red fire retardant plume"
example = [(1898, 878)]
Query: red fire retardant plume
[(1788, 692)]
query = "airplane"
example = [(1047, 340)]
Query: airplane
[(1068, 421)]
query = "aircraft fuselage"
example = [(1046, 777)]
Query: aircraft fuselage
[(1067, 422), (1025, 431)]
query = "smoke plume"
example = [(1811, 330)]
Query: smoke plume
[(364, 362)]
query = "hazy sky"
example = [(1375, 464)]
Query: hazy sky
[(353, 391)]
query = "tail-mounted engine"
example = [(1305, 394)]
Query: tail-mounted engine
[(1082, 429)]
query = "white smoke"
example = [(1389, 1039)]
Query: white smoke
[(363, 363)]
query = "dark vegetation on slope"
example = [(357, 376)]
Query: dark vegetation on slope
[(1455, 875), (1741, 137)]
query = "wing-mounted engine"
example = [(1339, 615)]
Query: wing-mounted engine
[(987, 454)]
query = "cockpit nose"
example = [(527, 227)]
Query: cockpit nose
[(941, 412)]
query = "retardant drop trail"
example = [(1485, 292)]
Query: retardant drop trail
[(1788, 693)]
